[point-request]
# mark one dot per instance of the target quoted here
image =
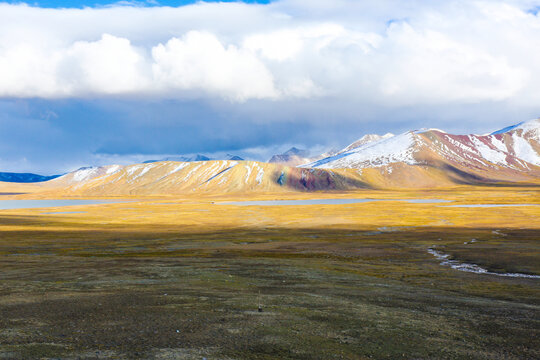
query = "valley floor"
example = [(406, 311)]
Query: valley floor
[(182, 278)]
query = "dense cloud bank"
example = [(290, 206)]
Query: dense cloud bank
[(121, 84), (391, 52)]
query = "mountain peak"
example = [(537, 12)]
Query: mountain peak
[(233, 157), (510, 154), (373, 153), (192, 158), (297, 152), (291, 157), (366, 139)]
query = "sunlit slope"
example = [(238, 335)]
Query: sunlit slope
[(222, 176), (415, 159), (421, 158), (7, 188), (476, 158), (81, 176), (243, 177)]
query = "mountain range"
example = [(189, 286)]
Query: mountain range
[(414, 159), (510, 154), (24, 177), (296, 157), (190, 158)]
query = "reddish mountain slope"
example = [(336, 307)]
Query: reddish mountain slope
[(509, 155)]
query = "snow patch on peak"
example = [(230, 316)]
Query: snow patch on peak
[(400, 148), (531, 128), (366, 139), (113, 168), (133, 168), (424, 130), (498, 144), (524, 150), (178, 168), (193, 170), (144, 168), (494, 156), (84, 173), (248, 169)]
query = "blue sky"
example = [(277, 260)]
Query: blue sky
[(86, 84), (95, 3)]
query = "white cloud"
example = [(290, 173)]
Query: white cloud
[(199, 61), (110, 65), (441, 68), (418, 52)]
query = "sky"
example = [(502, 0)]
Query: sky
[(87, 83)]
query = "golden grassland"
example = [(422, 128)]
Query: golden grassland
[(171, 277)]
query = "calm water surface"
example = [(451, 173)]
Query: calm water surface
[(326, 202), (490, 205)]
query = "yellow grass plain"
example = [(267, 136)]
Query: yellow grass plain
[(351, 281)]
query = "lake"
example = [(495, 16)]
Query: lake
[(490, 205), (326, 202)]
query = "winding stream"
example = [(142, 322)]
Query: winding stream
[(473, 268)]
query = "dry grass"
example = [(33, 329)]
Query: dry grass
[(174, 277)]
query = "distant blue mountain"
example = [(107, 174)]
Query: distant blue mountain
[(197, 157), (25, 177)]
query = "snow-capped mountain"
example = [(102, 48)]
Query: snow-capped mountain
[(366, 139), (374, 153), (510, 154), (415, 159), (84, 174)]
